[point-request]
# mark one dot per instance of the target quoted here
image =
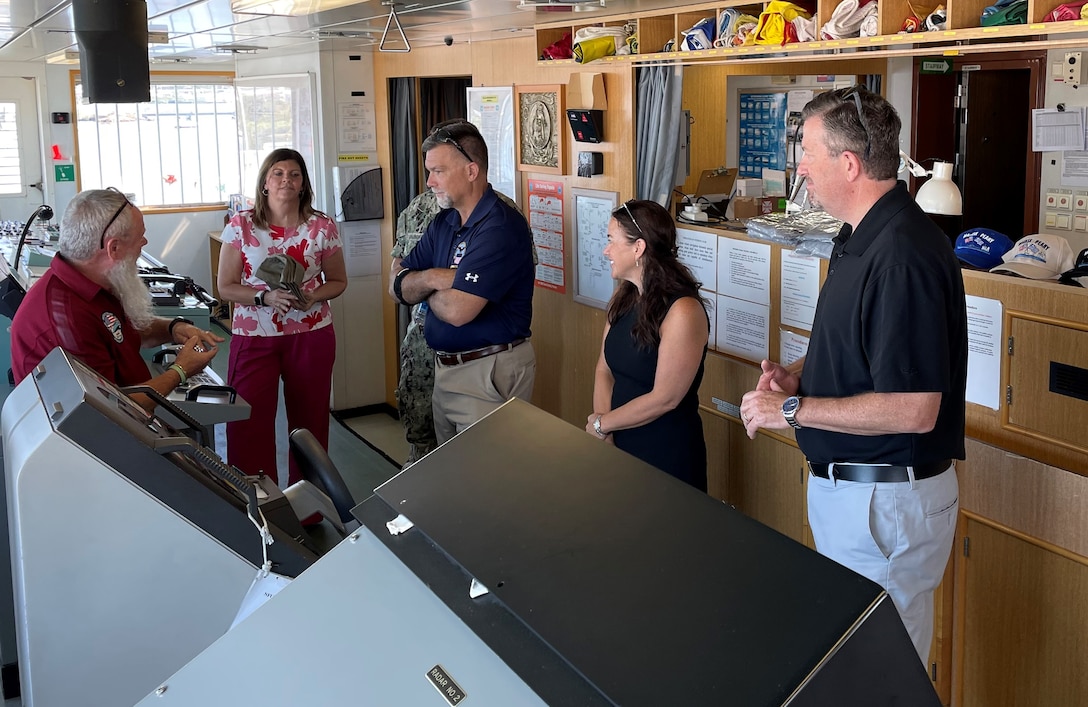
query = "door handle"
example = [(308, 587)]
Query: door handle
[(37, 185)]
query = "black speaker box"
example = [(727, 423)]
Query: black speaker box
[(113, 61)]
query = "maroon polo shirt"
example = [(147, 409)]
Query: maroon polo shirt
[(66, 309)]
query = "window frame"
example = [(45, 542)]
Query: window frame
[(74, 79)]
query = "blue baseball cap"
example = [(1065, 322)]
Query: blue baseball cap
[(982, 247)]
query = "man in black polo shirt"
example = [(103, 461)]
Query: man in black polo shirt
[(878, 402)]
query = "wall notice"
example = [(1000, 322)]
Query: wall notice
[(546, 220)]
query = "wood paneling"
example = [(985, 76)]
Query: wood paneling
[(1021, 623), (1037, 408), (1042, 299), (1042, 501), (767, 481)]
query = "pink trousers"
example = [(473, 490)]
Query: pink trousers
[(256, 365)]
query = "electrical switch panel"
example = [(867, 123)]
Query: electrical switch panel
[(1074, 69), (1080, 201), (1080, 223), (1064, 222), (1051, 219)]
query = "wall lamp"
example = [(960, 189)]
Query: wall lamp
[(939, 195)]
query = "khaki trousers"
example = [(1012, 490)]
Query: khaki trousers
[(465, 392)]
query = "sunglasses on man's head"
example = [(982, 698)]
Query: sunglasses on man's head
[(443, 135), (102, 238), (855, 93)]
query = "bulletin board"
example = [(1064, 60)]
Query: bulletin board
[(491, 110), (591, 211)]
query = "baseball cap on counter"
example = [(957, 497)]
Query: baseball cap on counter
[(1039, 257), (982, 247), (1078, 275)]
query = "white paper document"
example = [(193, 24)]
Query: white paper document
[(362, 247), (1054, 130), (743, 328), (710, 301), (744, 270), (800, 289), (984, 351), (791, 346), (699, 252)]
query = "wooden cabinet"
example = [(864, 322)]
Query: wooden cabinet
[(656, 28), (1022, 620)]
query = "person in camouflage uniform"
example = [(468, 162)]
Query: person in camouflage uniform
[(416, 383)]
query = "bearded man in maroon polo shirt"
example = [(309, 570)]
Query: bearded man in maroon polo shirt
[(92, 303)]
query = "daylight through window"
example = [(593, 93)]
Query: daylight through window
[(181, 148), (11, 176)]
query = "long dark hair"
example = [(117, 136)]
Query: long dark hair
[(664, 278), (305, 195)]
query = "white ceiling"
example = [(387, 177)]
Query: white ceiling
[(196, 27)]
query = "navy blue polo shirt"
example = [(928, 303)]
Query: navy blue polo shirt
[(493, 255), (891, 318)]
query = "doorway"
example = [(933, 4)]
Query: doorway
[(22, 188), (417, 105), (987, 101)]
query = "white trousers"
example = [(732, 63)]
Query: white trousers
[(897, 534)]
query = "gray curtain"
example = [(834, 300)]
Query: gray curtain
[(405, 142), (658, 131)]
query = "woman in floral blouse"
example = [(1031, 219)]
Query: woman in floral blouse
[(275, 335)]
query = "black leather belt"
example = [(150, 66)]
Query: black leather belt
[(452, 359), (870, 473)]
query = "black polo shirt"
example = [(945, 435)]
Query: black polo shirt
[(891, 319)]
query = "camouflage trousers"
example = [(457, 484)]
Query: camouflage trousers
[(414, 391)]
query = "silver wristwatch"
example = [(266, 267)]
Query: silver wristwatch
[(789, 411), (597, 427)]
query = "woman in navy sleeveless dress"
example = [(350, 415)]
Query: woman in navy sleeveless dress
[(645, 394)]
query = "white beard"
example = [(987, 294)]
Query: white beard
[(444, 201), (130, 290)]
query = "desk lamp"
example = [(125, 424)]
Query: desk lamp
[(939, 195)]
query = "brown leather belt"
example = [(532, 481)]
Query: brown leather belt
[(452, 359), (871, 473)]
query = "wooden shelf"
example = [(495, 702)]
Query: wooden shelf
[(964, 35)]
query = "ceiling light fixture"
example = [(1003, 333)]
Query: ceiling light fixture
[(238, 48), (561, 5), (292, 8)]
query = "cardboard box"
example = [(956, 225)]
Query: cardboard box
[(750, 187), (750, 206), (586, 91)]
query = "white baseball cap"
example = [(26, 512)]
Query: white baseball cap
[(1039, 257)]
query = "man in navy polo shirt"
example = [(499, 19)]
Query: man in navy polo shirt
[(474, 270), (92, 303), (878, 401)]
